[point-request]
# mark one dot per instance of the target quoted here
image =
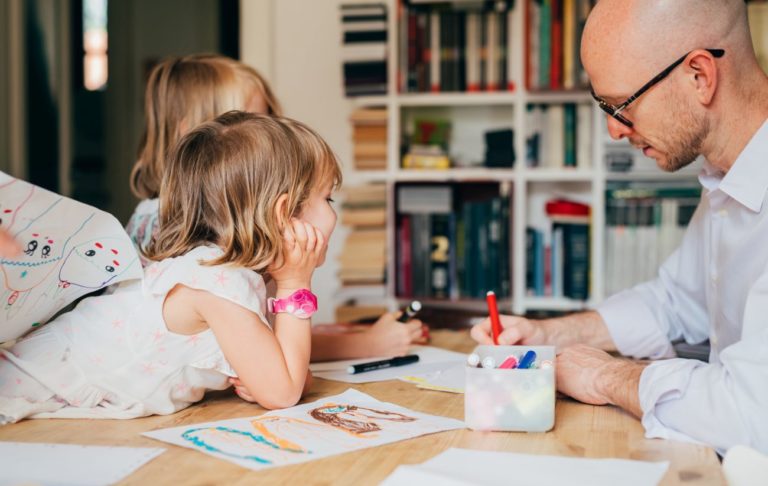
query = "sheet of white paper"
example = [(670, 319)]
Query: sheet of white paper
[(65, 464), (69, 249), (450, 379), (333, 425), (458, 467), (430, 359)]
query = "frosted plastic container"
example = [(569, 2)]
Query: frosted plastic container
[(520, 400)]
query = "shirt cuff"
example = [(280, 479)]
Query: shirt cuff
[(661, 382), (633, 327)]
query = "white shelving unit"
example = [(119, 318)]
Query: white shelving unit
[(522, 180)]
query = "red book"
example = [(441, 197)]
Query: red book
[(405, 272)]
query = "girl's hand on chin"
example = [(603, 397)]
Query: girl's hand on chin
[(303, 249)]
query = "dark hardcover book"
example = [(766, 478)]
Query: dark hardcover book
[(365, 36), (505, 254), (441, 253), (404, 253), (575, 260)]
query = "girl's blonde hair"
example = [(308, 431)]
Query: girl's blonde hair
[(223, 181), (181, 93)]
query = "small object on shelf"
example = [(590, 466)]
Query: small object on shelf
[(500, 148), (619, 161), (364, 48)]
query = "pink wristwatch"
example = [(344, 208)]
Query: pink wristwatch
[(301, 304)]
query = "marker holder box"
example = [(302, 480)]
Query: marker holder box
[(521, 400)]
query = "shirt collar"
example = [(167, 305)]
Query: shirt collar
[(747, 179)]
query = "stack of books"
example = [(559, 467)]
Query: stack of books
[(364, 210), (364, 51), (456, 46), (558, 256), (559, 136), (553, 33), (644, 225), (369, 138), (452, 241)]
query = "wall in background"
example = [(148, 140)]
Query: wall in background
[(297, 44)]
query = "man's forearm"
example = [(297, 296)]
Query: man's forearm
[(581, 328), (619, 383)]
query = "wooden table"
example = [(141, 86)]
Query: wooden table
[(580, 431)]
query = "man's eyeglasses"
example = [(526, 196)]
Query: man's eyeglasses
[(615, 111)]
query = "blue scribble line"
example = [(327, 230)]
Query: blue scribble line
[(258, 438), (29, 264)]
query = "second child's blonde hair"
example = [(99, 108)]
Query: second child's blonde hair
[(183, 92), (223, 181)]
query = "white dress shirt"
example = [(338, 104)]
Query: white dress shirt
[(715, 285)]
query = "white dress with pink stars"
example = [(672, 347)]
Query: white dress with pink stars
[(113, 357)]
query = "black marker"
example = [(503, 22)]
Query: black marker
[(410, 311), (385, 363)]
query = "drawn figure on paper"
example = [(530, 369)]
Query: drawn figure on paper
[(260, 446), (44, 242), (355, 420), (95, 263)]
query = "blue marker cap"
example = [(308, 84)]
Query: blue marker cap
[(527, 360)]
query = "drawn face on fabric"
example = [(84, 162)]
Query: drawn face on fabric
[(41, 252), (95, 263)]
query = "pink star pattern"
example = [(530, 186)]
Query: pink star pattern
[(192, 340), (148, 368), (117, 324), (157, 336), (221, 278)]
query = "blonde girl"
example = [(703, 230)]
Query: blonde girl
[(181, 93), (244, 198)]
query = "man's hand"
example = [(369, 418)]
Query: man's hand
[(593, 376), (515, 330)]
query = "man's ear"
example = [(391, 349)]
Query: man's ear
[(704, 69), (281, 211)]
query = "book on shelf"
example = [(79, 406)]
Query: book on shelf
[(558, 252), (369, 138), (559, 135), (450, 246), (553, 31), (364, 48), (456, 46), (363, 260), (644, 225)]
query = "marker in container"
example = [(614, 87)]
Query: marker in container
[(473, 360), (488, 362), (546, 364), (385, 363), (527, 360), (509, 363), (493, 311), (410, 311)]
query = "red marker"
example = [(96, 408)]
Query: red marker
[(493, 310)]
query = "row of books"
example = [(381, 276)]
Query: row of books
[(643, 227), (553, 34), (363, 261), (558, 254), (449, 248), (559, 135), (364, 48), (369, 138), (464, 46)]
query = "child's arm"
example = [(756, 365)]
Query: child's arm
[(273, 367), (386, 337)]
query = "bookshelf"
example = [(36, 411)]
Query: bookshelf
[(527, 188)]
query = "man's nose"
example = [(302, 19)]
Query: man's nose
[(616, 129)]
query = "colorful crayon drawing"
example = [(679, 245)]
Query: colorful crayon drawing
[(334, 425), (355, 420), (59, 261)]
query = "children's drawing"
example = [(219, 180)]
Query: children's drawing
[(334, 425), (59, 261), (355, 420)]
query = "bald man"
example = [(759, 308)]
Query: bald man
[(705, 95)]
